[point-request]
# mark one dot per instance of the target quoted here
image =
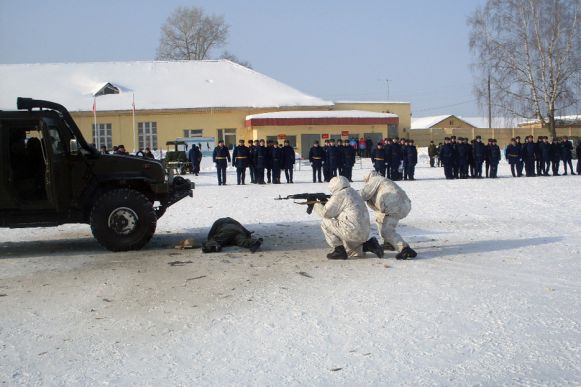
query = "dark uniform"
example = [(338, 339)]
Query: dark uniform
[(555, 156), (326, 170), (520, 164), (333, 159), (229, 232), (268, 161), (195, 157), (411, 159), (240, 160), (378, 159), (528, 156), (433, 153), (277, 159), (494, 159), (251, 149), (539, 164), (447, 156), (260, 162), (221, 157), (545, 153), (463, 150), (288, 161), (348, 161), (316, 157), (478, 152), (395, 158), (578, 151), (567, 155), (512, 155)]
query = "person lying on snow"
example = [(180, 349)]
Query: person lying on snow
[(345, 222), (229, 232), (391, 204)]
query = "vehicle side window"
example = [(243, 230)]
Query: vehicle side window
[(53, 138)]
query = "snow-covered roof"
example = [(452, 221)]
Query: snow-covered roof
[(374, 102), (559, 120), (323, 114), (427, 122), (497, 122), (156, 85)]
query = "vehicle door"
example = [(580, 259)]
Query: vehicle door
[(58, 172)]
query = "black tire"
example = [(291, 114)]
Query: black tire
[(123, 219)]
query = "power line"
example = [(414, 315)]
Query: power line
[(446, 106)]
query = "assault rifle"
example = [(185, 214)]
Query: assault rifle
[(309, 199)]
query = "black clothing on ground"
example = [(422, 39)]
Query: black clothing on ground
[(229, 232)]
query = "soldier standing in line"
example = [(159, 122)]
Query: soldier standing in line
[(470, 146), (528, 155), (432, 152), (578, 151), (545, 151), (462, 149), (555, 156), (251, 149), (268, 160), (221, 158), (456, 166), (378, 160), (447, 158), (438, 149), (395, 159), (520, 164), (567, 154), (411, 159), (260, 162), (276, 154), (316, 156), (512, 155), (494, 159), (487, 157), (332, 159), (326, 169), (478, 151), (387, 145), (348, 160), (240, 160), (539, 156), (288, 161)]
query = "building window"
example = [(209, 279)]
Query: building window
[(103, 136), (147, 133), (228, 136), (188, 133)]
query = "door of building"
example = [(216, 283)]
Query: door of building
[(375, 137), (307, 141)]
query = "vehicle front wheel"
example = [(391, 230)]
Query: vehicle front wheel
[(123, 219)]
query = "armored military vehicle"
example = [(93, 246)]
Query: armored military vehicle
[(50, 175)]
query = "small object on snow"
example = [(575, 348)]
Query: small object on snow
[(195, 278), (42, 353), (386, 266), (3, 295), (336, 369), (178, 263), (107, 300), (305, 274), (186, 244)]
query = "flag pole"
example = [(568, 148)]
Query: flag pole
[(133, 109)]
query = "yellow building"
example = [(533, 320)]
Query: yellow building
[(142, 104)]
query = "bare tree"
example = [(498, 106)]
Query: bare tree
[(189, 34), (529, 51), (233, 58)]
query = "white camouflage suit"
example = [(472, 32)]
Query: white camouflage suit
[(345, 218), (390, 203)]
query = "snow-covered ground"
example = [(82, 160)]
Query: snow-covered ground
[(493, 297)]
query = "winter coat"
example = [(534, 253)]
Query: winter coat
[(317, 156), (447, 154), (462, 150), (411, 154), (566, 150), (385, 197), (545, 151), (432, 150), (555, 152), (528, 151), (260, 157), (241, 156), (348, 156), (512, 154), (378, 158), (494, 154), (348, 211), (478, 150), (395, 154), (333, 157), (221, 156), (288, 157), (276, 157), (268, 157)]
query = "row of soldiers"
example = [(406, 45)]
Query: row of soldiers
[(257, 157), (334, 158), (462, 159), (537, 157), (395, 158)]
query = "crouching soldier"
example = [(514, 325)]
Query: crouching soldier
[(228, 232), (391, 204), (345, 222)]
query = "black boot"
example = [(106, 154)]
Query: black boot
[(406, 253), (373, 246), (388, 246), (338, 253), (255, 245)]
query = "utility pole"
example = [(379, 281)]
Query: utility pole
[(387, 86), (489, 105)]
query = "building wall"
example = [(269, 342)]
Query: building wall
[(402, 109)]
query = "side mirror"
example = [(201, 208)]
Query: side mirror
[(74, 147)]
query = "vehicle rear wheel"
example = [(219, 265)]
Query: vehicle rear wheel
[(123, 219)]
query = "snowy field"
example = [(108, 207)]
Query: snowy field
[(493, 298)]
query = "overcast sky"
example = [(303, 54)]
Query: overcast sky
[(337, 50)]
